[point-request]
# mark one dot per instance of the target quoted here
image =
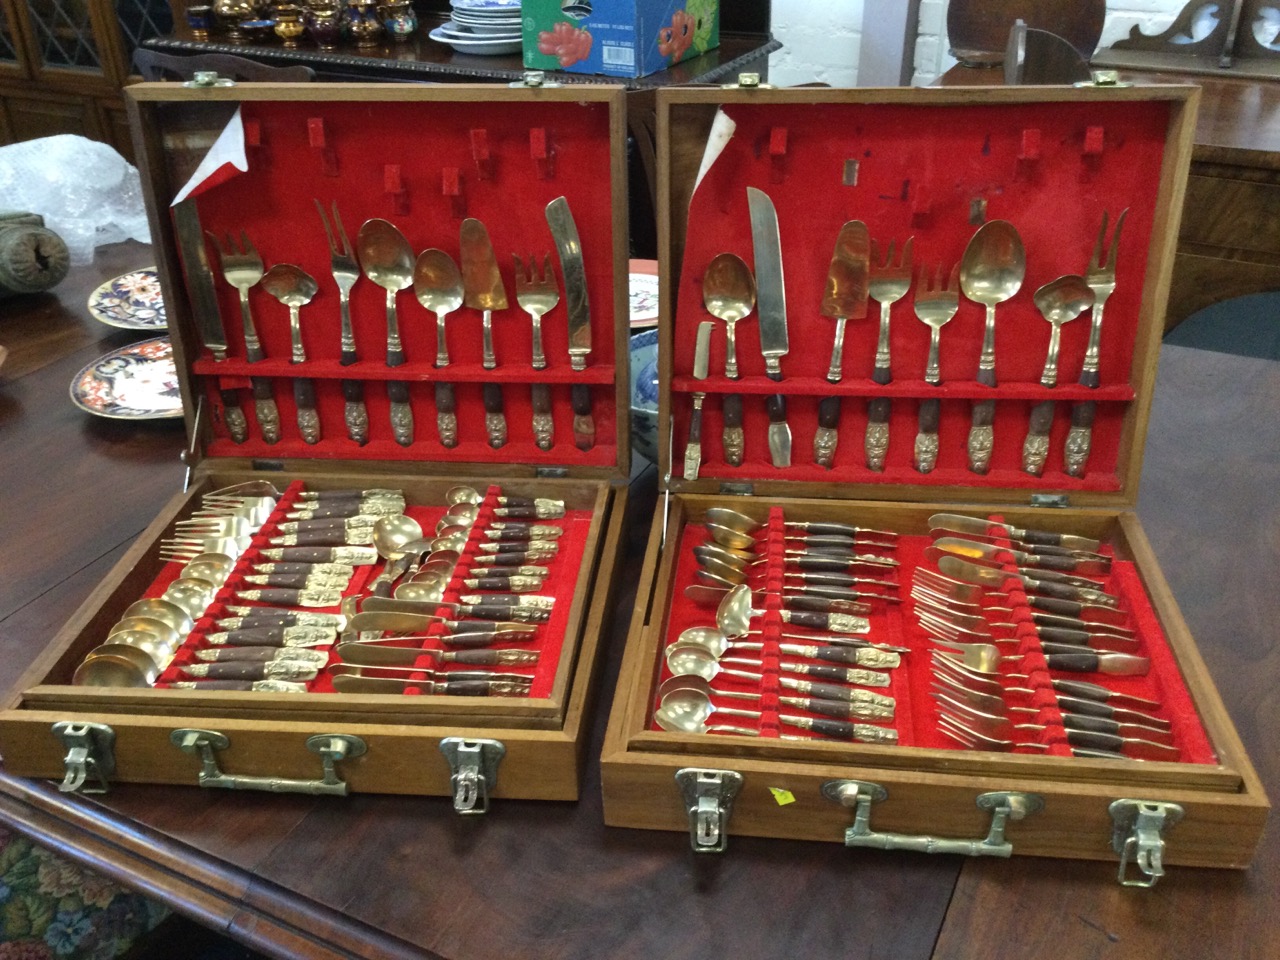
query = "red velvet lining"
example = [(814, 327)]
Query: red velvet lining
[(432, 143), (910, 684), (918, 169), (561, 582)]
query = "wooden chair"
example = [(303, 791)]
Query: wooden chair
[(154, 65)]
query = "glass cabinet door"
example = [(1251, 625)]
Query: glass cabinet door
[(10, 60), (63, 31)]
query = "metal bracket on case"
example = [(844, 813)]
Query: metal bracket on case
[(1137, 836), (331, 747), (1005, 805), (90, 750), (1055, 501), (708, 798), (475, 771)]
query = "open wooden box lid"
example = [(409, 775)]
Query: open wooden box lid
[(932, 165), (424, 158)]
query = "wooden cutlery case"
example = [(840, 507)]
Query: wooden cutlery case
[(427, 159), (934, 165)]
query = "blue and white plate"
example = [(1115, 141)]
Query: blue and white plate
[(503, 7), (482, 46), (644, 393), (487, 34), (132, 301), (137, 382)]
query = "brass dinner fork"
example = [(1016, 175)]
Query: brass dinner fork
[(242, 267), (1101, 279), (966, 736), (345, 270), (537, 295), (887, 283)]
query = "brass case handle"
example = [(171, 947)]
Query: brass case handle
[(1005, 805), (331, 748)]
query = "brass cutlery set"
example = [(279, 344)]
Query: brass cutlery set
[(343, 590), (764, 582), (383, 256), (989, 273), (1015, 619), (1012, 640)]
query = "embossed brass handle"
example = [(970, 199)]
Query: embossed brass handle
[(331, 747), (1005, 805)]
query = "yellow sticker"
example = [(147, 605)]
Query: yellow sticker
[(783, 797)]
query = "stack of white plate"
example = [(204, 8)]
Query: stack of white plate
[(482, 27)]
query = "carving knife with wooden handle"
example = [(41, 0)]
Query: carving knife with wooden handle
[(564, 232), (204, 307), (771, 305)]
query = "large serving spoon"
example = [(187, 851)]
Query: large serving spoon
[(1060, 301), (437, 283), (991, 272), (387, 260), (729, 294)]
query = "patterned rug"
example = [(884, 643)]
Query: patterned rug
[(52, 909)]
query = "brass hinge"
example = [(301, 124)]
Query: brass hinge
[(1055, 500), (747, 81)]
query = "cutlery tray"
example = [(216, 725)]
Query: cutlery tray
[(256, 161), (932, 165)]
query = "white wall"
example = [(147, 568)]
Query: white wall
[(821, 41)]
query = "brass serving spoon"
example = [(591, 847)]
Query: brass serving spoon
[(729, 294), (437, 283)]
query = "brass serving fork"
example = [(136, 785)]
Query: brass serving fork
[(242, 267), (1100, 277), (935, 304), (537, 295), (887, 283), (345, 270)]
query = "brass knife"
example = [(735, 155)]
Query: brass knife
[(565, 234), (204, 306), (771, 306), (701, 360)]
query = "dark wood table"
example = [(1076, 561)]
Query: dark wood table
[(376, 876)]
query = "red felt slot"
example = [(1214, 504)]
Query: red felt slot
[(948, 158), (382, 152), (564, 571), (912, 684)]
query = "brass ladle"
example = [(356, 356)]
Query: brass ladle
[(1060, 301)]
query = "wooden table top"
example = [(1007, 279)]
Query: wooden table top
[(376, 876)]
